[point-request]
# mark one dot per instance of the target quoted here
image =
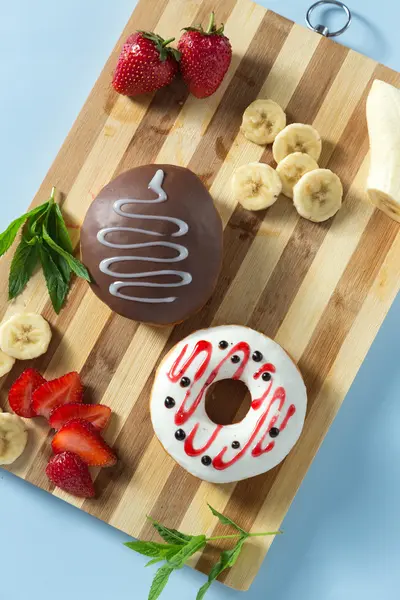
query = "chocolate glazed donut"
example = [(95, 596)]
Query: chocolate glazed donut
[(152, 241)]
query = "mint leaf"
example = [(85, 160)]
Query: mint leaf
[(57, 287), (74, 264), (167, 554), (57, 229), (33, 224), (63, 266), (154, 561), (9, 235), (22, 266), (226, 520), (227, 559), (191, 547), (172, 536), (160, 581), (152, 548)]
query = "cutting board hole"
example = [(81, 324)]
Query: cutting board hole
[(227, 401)]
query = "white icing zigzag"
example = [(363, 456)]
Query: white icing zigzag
[(182, 252)]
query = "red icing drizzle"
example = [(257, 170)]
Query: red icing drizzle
[(258, 449), (266, 367), (188, 446), (175, 375), (280, 396), (184, 413), (259, 401), (289, 415), (218, 462), (269, 447)]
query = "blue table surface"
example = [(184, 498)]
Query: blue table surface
[(342, 532)]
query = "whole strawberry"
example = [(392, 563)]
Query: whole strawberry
[(68, 472), (205, 58), (145, 64)]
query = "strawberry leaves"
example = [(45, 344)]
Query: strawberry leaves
[(45, 240), (211, 27), (162, 45), (179, 547)]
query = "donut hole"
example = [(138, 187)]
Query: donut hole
[(227, 401)]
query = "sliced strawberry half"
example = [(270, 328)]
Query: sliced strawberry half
[(96, 414), (84, 440), (63, 390), (20, 394), (68, 472)]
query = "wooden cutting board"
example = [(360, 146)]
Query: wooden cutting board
[(321, 290)]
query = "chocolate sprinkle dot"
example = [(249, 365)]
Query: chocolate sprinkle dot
[(257, 356), (169, 402), (206, 460), (223, 345), (274, 432), (235, 358), (266, 376), (185, 382), (180, 435), (235, 445)]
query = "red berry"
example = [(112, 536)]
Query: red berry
[(205, 58), (145, 64), (20, 394), (84, 440), (96, 414), (63, 390), (68, 472)]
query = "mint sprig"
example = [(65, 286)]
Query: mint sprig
[(179, 547), (45, 240)]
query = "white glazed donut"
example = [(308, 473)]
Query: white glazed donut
[(222, 454)]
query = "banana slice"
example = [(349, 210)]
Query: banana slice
[(13, 438), (25, 336), (6, 363), (256, 186), (297, 137), (292, 168), (262, 121), (318, 195)]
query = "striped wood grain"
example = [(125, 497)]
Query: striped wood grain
[(322, 291)]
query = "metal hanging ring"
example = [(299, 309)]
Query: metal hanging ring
[(322, 29)]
